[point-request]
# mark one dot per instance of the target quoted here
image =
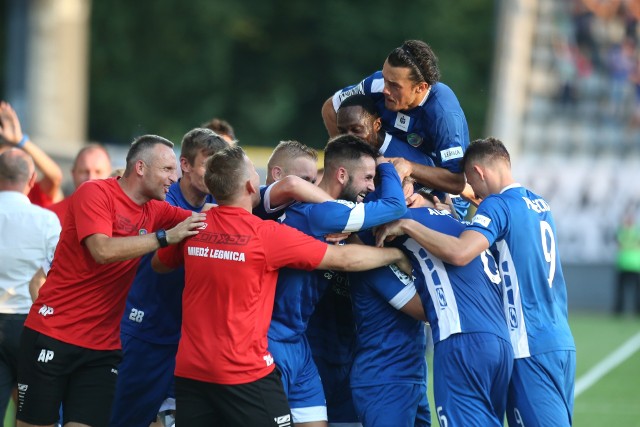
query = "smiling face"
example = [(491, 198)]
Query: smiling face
[(360, 181), (159, 172), (400, 92), (354, 120)]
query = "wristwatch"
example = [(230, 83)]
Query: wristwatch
[(161, 235)]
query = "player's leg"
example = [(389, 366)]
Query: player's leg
[(541, 390), (10, 330), (144, 378), (91, 388), (306, 394), (391, 405), (469, 372), (43, 372), (337, 390)]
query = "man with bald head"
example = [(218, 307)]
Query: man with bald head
[(29, 236), (70, 344), (91, 162)]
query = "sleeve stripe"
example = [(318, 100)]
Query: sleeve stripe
[(403, 297), (356, 219)]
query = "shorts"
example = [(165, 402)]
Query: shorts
[(541, 390), (300, 379), (337, 390), (52, 372), (145, 380), (260, 403), (10, 329), (471, 374), (392, 405)]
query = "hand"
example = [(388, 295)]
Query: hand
[(10, 130), (388, 230), (417, 201), (403, 167), (407, 187), (188, 227), (336, 237), (469, 195), (405, 266), (441, 206)]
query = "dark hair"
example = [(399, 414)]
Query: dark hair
[(363, 101), (286, 150), (485, 149), (225, 173), (14, 167), (346, 148), (220, 126), (140, 148), (417, 56), (201, 139)]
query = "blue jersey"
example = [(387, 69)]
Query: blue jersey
[(456, 299), (390, 345), (519, 226), (297, 291), (154, 304), (264, 209)]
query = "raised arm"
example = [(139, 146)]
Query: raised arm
[(293, 188), (355, 257), (329, 117), (434, 177), (105, 249), (11, 132)]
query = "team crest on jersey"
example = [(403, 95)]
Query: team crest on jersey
[(142, 232), (414, 139), (402, 122)]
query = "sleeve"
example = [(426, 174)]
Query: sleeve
[(168, 216), (343, 216), (392, 285), (372, 84), (172, 256), (450, 140), (264, 210), (287, 247), (92, 210), (490, 219)]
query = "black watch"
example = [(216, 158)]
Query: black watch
[(161, 235)]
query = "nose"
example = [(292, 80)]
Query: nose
[(385, 90), (371, 187)]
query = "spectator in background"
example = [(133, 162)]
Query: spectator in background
[(29, 237), (222, 128), (91, 162), (46, 191), (628, 261), (621, 63)]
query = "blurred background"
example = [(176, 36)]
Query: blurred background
[(557, 80)]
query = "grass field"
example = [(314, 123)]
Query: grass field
[(613, 400)]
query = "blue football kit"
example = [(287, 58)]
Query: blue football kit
[(521, 231), (297, 291), (473, 359), (150, 332), (389, 371), (437, 127)]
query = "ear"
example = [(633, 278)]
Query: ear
[(422, 87), (377, 124), (31, 182), (342, 175), (277, 173), (184, 165), (479, 170), (250, 188), (140, 167)]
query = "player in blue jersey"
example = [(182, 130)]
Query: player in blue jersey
[(420, 110), (350, 168), (518, 226), (150, 326)]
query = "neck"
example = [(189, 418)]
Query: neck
[(130, 189), (331, 187), (245, 203), (193, 196)]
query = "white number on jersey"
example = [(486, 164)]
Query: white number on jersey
[(485, 256), (136, 315), (549, 249), (442, 418)]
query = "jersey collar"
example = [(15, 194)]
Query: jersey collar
[(510, 186)]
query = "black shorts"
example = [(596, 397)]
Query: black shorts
[(51, 372), (259, 403)]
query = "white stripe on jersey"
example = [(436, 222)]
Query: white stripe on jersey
[(377, 85), (356, 219), (385, 143), (513, 313), (404, 296), (442, 296)]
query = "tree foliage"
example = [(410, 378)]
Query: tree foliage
[(165, 67)]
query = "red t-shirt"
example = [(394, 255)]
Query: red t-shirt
[(82, 302), (231, 268), (60, 209), (39, 197)]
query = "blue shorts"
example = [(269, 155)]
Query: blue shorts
[(300, 378), (541, 390), (471, 374), (145, 380), (337, 389), (401, 405)]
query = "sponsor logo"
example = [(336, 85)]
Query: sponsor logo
[(414, 139), (513, 318), (114, 371), (268, 359), (45, 356), (482, 220), (221, 238), (23, 387), (451, 153), (356, 90), (442, 300), (283, 421), (45, 310), (203, 226), (402, 122), (142, 232), (215, 253)]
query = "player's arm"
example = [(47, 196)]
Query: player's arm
[(36, 283), (453, 250), (360, 258), (11, 132), (434, 177), (414, 308), (292, 188), (105, 249), (330, 117)]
